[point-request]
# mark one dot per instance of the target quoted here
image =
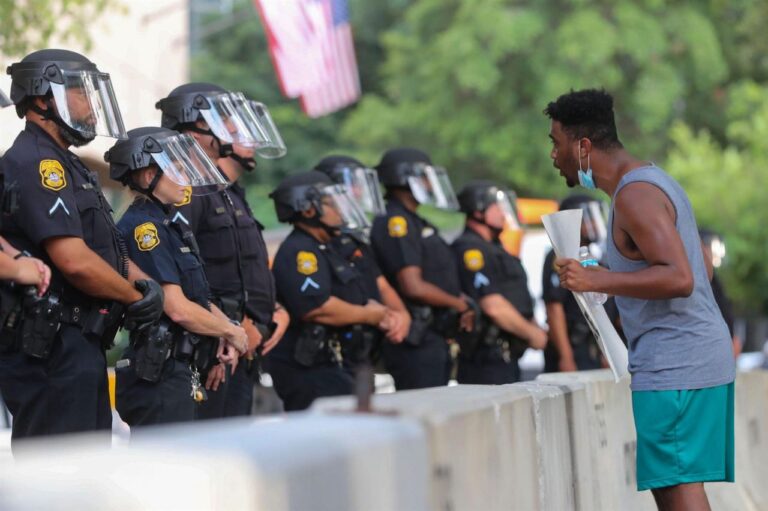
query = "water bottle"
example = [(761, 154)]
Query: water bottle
[(586, 260)]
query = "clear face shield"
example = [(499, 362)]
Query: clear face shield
[(363, 186), (340, 211), (4, 100), (230, 118), (432, 186), (507, 203), (593, 227), (185, 163), (87, 104), (270, 145)]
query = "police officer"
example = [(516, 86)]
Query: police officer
[(572, 345), (420, 266), (53, 376), (323, 291), (362, 185), (158, 378), (230, 238), (497, 281)]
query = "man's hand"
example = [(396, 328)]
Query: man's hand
[(567, 364), (537, 338), (282, 320), (574, 277), (376, 312), (142, 313), (395, 325), (254, 336), (216, 376), (236, 338), (33, 272), (468, 315)]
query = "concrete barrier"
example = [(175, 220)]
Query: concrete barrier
[(310, 462), (491, 447)]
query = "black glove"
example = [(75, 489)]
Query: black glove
[(142, 313)]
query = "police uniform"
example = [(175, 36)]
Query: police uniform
[(486, 269), (159, 248), (402, 238), (361, 256), (586, 353), (59, 197), (237, 267), (307, 273)]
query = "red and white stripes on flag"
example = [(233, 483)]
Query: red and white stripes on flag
[(311, 45)]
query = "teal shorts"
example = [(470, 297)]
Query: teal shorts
[(684, 436)]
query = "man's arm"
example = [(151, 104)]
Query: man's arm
[(87, 271), (507, 317), (558, 334), (413, 286), (337, 312), (647, 217), (135, 273)]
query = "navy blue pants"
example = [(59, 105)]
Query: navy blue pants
[(233, 398), (418, 367), (144, 403), (298, 386), (487, 368), (65, 393)]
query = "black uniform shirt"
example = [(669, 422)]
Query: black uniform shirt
[(402, 238), (307, 273), (232, 247), (553, 293), (157, 246), (57, 196), (362, 257), (486, 268)]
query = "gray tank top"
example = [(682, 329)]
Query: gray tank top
[(681, 343)]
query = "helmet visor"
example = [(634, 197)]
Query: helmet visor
[(4, 101), (185, 163), (432, 186), (507, 202), (230, 118), (271, 144), (362, 184), (339, 210), (87, 104)]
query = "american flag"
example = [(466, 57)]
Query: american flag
[(311, 45)]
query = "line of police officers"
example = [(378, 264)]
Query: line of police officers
[(186, 269)]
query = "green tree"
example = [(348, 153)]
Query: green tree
[(28, 25)]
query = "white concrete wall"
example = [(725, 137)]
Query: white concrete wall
[(563, 442)]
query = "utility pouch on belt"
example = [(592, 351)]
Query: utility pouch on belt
[(469, 342), (310, 344), (102, 323), (421, 319), (204, 357), (231, 307), (153, 346), (359, 341), (42, 319)]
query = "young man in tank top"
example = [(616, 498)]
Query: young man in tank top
[(679, 348)]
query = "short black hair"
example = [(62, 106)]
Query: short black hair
[(587, 113)]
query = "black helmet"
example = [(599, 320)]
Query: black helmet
[(50, 74), (478, 195), (34, 74), (575, 201), (184, 104), (299, 192), (396, 165), (135, 152), (176, 155), (333, 166)]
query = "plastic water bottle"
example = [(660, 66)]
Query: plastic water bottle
[(586, 260)]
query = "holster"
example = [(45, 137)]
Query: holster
[(102, 323), (153, 347), (359, 341), (41, 322), (204, 356), (421, 319), (311, 345), (496, 337), (232, 307)]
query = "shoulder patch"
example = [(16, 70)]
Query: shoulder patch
[(306, 263), (473, 260), (52, 175), (146, 236), (397, 227), (187, 197)]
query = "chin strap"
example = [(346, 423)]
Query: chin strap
[(75, 138), (225, 150), (249, 164), (149, 191)]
